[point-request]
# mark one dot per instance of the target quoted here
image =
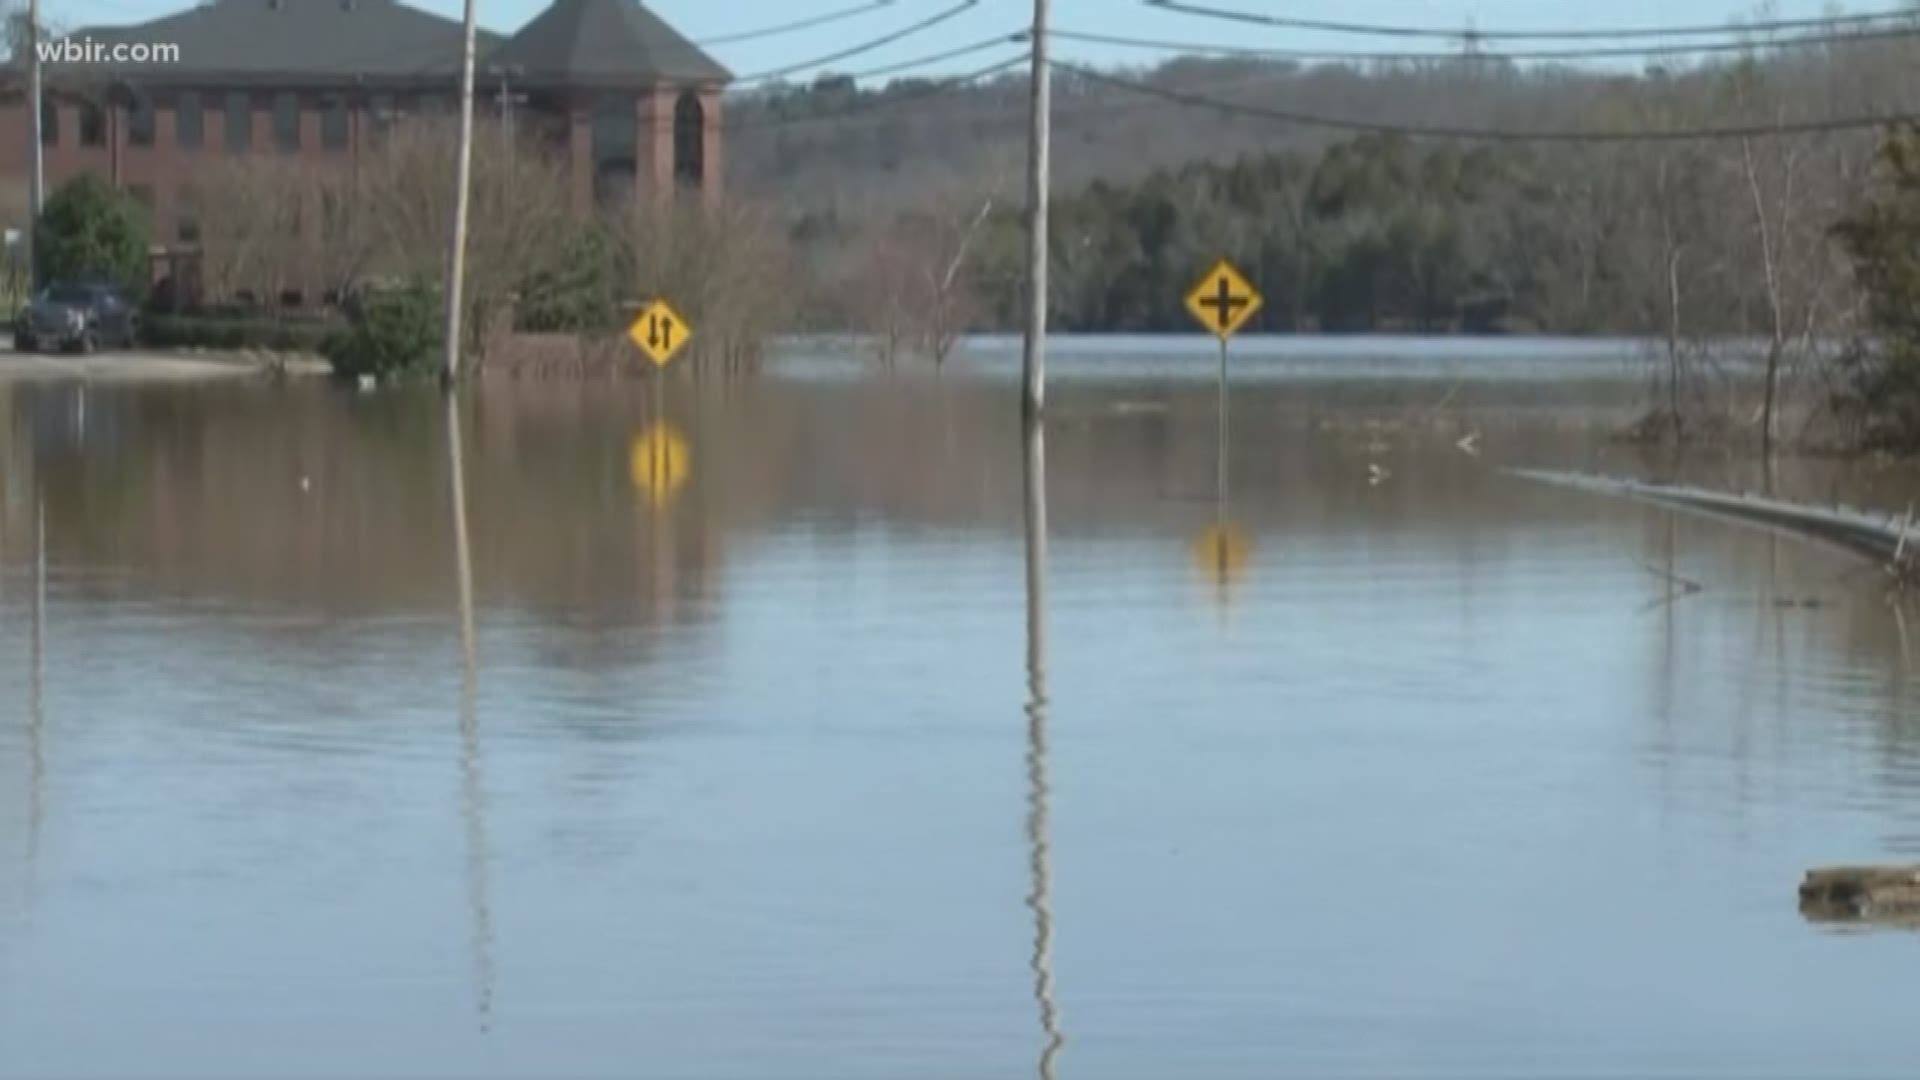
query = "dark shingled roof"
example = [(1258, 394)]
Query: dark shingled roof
[(603, 43), (614, 43), (288, 41)]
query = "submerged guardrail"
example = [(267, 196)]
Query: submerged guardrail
[(1883, 538)]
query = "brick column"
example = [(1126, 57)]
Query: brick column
[(116, 142), (213, 121), (309, 123), (713, 142), (161, 158), (580, 156)]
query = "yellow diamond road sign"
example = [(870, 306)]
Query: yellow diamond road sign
[(1224, 300), (660, 332), (658, 463)]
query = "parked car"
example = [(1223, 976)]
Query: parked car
[(76, 315)]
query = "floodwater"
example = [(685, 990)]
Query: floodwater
[(795, 727)]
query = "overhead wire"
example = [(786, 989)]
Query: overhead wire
[(930, 60), (823, 19), (1485, 57), (1066, 114), (1294, 22), (1489, 134), (861, 49), (879, 102)]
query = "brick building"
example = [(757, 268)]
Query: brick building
[(628, 103)]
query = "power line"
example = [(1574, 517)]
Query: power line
[(1480, 57), (1289, 22), (1066, 114), (1443, 131), (863, 48), (982, 45), (797, 25), (878, 102)]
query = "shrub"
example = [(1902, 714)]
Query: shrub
[(89, 230), (204, 331), (1881, 394), (576, 291), (390, 333)]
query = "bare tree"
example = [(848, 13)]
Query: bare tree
[(725, 267), (402, 209), (255, 212)]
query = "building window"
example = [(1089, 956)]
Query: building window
[(333, 124), (93, 124), (383, 111), (286, 121), (689, 140), (239, 121), (189, 124), (142, 196), (615, 135), (187, 215), (140, 121), (613, 184), (49, 123)]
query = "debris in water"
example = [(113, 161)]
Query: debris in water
[(1867, 895)]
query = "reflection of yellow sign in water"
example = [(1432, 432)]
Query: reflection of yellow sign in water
[(660, 332), (658, 463), (1224, 300), (1222, 552)]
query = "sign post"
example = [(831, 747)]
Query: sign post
[(658, 462), (1223, 301)]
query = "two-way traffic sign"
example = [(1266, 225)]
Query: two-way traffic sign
[(660, 332)]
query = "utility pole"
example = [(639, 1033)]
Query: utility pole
[(457, 258), (1039, 183), (507, 99), (36, 183)]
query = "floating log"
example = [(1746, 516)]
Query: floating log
[(1876, 895)]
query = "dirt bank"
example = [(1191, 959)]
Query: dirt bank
[(149, 366)]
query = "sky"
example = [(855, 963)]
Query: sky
[(700, 19)]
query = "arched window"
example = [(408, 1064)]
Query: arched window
[(689, 140)]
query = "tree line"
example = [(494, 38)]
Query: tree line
[(1689, 204)]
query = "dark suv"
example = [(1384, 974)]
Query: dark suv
[(75, 315)]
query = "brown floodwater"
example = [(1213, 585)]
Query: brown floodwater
[(819, 724)]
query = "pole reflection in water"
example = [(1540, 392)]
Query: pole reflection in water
[(1221, 551), (1039, 899), (473, 794), (36, 688)]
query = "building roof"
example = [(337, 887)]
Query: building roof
[(603, 43), (385, 42), (285, 41)]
